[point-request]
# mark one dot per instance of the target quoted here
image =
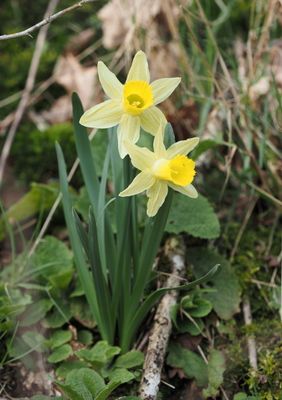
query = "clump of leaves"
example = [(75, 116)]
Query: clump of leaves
[(188, 313), (86, 374)]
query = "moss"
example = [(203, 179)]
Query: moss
[(267, 380), (34, 152), (233, 340)]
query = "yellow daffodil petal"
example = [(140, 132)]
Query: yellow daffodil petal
[(182, 147), (103, 115), (188, 190), (159, 147), (110, 83), (141, 157), (157, 194), (128, 130), (162, 88), (139, 70), (151, 120), (140, 183)]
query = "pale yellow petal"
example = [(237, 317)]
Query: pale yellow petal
[(162, 88), (182, 147), (140, 183), (128, 131), (188, 190), (152, 119), (141, 157), (157, 194), (159, 147), (110, 83), (139, 70), (103, 115)]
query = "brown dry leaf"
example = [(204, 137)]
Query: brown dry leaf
[(74, 77), (60, 111), (164, 58), (260, 88), (122, 18), (80, 41), (191, 392), (184, 120), (276, 60)]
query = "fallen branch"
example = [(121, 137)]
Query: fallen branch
[(160, 333), (251, 343), (45, 21)]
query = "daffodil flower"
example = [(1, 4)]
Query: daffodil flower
[(161, 169), (130, 105)]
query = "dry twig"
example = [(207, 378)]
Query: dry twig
[(27, 90), (159, 336), (251, 343), (47, 19)]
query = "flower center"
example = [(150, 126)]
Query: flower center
[(180, 170), (137, 96)]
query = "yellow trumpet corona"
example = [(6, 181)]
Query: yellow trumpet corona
[(161, 169), (132, 105)]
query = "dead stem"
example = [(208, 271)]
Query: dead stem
[(251, 343), (250, 209), (47, 20), (161, 330)]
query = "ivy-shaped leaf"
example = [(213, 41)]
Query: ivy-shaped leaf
[(191, 363), (194, 216), (227, 291), (56, 261)]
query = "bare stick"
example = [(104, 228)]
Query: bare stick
[(27, 90), (49, 18), (251, 343), (160, 333)]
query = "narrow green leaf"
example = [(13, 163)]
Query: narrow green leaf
[(152, 236), (81, 265), (101, 285), (151, 300), (104, 393)]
